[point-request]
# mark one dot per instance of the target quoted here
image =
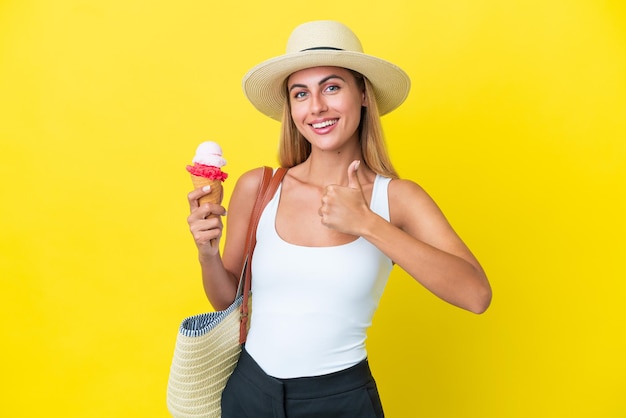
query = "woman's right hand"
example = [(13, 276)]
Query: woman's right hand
[(205, 223), (220, 272)]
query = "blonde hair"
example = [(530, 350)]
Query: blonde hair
[(295, 149)]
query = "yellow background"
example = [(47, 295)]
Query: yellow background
[(516, 124)]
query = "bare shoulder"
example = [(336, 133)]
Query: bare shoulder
[(411, 206), (248, 183), (244, 195), (239, 210), (404, 186), (402, 191)]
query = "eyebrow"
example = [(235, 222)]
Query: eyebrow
[(322, 81)]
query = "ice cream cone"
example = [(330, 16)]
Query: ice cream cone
[(215, 196), (207, 171), (217, 191)]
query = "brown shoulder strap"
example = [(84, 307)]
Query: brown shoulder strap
[(257, 209), (267, 189)]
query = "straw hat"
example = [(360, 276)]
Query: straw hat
[(318, 44)]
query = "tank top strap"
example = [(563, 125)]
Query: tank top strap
[(380, 196)]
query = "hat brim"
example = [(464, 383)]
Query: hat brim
[(263, 84)]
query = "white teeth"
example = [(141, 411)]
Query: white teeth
[(324, 124)]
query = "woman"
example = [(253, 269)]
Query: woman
[(327, 241)]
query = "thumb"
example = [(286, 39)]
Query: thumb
[(353, 177)]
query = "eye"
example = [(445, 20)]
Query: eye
[(299, 95), (332, 88)]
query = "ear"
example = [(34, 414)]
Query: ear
[(363, 99)]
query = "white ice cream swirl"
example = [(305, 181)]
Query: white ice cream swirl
[(209, 153)]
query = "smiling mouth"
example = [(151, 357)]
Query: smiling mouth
[(324, 124)]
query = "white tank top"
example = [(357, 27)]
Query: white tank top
[(312, 306)]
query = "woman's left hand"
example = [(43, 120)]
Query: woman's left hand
[(344, 208)]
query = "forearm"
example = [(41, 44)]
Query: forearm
[(451, 277), (220, 274), (220, 285)]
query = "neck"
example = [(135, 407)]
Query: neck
[(327, 167)]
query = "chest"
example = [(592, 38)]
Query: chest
[(298, 218)]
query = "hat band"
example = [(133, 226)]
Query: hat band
[(321, 47)]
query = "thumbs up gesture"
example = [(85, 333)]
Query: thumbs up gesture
[(344, 207)]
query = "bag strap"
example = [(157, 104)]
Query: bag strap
[(267, 188), (256, 213)]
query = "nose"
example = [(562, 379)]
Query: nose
[(318, 104)]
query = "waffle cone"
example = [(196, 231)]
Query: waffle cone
[(217, 191)]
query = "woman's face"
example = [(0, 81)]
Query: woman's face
[(326, 105)]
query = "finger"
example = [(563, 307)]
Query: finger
[(353, 177), (204, 230), (198, 214), (206, 211), (215, 210), (206, 237), (195, 195), (321, 209)]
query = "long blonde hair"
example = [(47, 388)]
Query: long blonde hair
[(295, 149)]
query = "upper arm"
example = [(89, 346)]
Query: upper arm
[(416, 213), (239, 211)]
